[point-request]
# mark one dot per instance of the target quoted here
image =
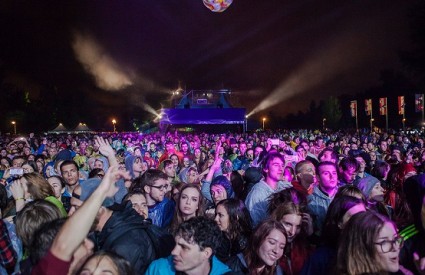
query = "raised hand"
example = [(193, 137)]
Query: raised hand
[(107, 185), (104, 147)]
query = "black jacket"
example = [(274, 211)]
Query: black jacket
[(123, 234)]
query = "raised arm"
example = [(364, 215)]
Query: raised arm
[(78, 225), (106, 149)]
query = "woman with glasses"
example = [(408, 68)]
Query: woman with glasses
[(371, 245)]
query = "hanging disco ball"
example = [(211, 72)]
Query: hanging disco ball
[(217, 5)]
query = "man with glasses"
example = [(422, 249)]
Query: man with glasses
[(160, 209)]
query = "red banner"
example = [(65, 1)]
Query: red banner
[(353, 108), (419, 102), (383, 106), (368, 106), (401, 105)]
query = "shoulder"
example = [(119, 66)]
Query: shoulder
[(161, 266), (218, 267)]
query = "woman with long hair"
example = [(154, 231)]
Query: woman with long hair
[(33, 186), (298, 226), (234, 220), (190, 203), (265, 248), (341, 209), (371, 246)]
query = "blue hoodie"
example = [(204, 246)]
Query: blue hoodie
[(165, 266)]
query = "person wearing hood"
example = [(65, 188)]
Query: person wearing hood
[(134, 165), (119, 228), (374, 193)]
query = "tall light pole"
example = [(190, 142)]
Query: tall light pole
[(113, 123), (371, 124), (14, 126), (324, 121), (264, 120)]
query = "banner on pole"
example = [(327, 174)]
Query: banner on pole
[(368, 106), (353, 108), (383, 106), (419, 102), (401, 105)]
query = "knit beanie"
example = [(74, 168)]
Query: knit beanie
[(366, 185)]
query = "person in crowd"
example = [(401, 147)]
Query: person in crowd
[(216, 189), (119, 228), (189, 175), (374, 194), (29, 166), (70, 174), (31, 218), (169, 150), (33, 186), (327, 154), (251, 177), (348, 168), (167, 166), (305, 177), (97, 172), (198, 160), (341, 209), (133, 164), (323, 194), (298, 226), (371, 245), (106, 262), (234, 221), (256, 200), (71, 237), (58, 184), (361, 172), (138, 201), (185, 150), (197, 240), (414, 233), (380, 171), (394, 196), (265, 248), (43, 239), (190, 203), (160, 209), (8, 256), (176, 162)]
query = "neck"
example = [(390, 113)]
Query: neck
[(271, 183), (71, 188), (149, 200), (186, 217), (330, 191), (104, 217)]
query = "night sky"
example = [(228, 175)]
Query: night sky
[(116, 57)]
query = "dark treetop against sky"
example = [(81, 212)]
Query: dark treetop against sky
[(272, 54)]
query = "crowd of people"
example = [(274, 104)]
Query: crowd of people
[(284, 202)]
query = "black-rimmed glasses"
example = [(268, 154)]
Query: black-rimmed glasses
[(161, 187), (387, 246)]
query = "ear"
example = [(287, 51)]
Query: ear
[(147, 189), (207, 252)]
